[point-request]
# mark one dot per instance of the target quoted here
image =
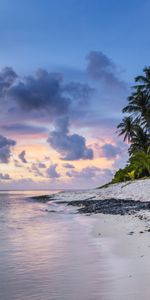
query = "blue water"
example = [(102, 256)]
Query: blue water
[(45, 255)]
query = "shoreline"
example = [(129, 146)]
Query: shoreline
[(122, 198), (121, 234)]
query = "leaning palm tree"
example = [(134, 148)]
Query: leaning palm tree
[(126, 128)]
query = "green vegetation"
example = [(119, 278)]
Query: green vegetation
[(135, 129)]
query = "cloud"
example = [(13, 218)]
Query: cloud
[(22, 157), (24, 128), (17, 164), (7, 79), (45, 96), (47, 158), (42, 95), (101, 68), (4, 176), (5, 148), (41, 165), (71, 147), (52, 172), (80, 93), (68, 166), (35, 169), (89, 177), (42, 92), (110, 151), (89, 172)]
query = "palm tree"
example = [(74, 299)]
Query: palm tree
[(141, 162), (135, 127), (126, 128), (140, 141), (144, 80), (139, 107)]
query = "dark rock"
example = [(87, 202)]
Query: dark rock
[(43, 198), (110, 206)]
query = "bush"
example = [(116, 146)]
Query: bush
[(138, 167), (128, 173)]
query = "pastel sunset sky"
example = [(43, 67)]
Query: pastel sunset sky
[(66, 69)]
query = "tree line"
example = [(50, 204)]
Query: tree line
[(135, 129)]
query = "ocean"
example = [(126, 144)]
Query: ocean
[(46, 251)]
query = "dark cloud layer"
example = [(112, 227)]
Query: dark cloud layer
[(71, 147), (24, 128), (101, 68), (5, 148)]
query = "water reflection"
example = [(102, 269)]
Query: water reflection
[(44, 256)]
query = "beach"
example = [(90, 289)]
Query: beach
[(75, 150), (122, 237), (56, 250), (126, 240)]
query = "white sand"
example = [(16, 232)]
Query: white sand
[(126, 257), (135, 190)]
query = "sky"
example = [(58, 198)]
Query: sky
[(66, 70)]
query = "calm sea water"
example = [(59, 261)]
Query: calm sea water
[(46, 255)]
